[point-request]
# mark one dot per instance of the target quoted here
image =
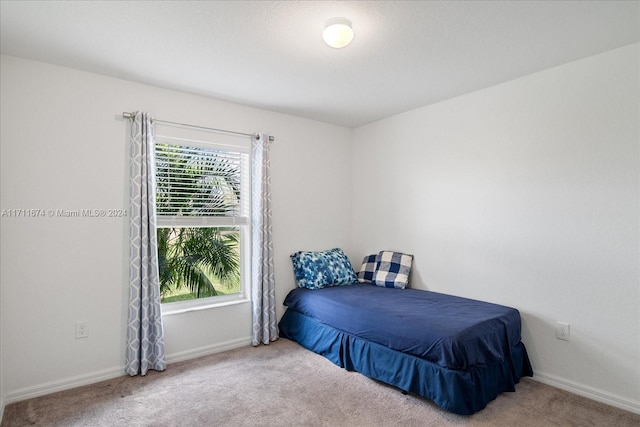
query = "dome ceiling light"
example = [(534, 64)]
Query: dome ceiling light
[(338, 32)]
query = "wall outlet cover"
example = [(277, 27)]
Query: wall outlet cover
[(562, 331)]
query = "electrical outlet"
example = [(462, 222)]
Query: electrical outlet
[(82, 329), (562, 331)]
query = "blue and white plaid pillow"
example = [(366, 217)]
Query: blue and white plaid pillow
[(368, 268), (393, 269)]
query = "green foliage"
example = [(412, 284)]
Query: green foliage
[(193, 256)]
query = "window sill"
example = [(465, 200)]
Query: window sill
[(170, 311)]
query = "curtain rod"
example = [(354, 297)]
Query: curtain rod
[(127, 115)]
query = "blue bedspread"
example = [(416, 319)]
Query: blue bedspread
[(452, 332)]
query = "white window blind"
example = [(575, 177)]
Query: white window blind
[(198, 185)]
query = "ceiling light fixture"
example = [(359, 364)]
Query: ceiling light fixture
[(338, 32)]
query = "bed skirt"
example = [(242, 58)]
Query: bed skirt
[(461, 392)]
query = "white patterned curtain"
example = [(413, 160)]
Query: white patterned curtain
[(263, 296), (145, 336)]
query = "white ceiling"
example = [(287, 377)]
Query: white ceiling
[(270, 54)]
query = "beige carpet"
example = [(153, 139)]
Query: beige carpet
[(285, 385)]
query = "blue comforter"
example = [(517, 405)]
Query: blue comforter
[(452, 332)]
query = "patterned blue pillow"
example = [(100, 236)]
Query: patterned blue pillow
[(368, 268), (393, 269), (315, 270)]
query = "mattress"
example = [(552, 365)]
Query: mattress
[(451, 331)]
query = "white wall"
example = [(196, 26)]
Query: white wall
[(1, 369), (525, 194), (63, 146)]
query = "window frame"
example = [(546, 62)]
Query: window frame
[(227, 143)]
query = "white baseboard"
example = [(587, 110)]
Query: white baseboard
[(589, 392), (107, 374), (207, 350), (63, 384), (1, 407)]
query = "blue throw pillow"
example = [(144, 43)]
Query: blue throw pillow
[(368, 268), (393, 269), (315, 270)]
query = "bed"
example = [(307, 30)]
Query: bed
[(459, 353)]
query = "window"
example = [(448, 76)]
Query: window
[(202, 207)]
